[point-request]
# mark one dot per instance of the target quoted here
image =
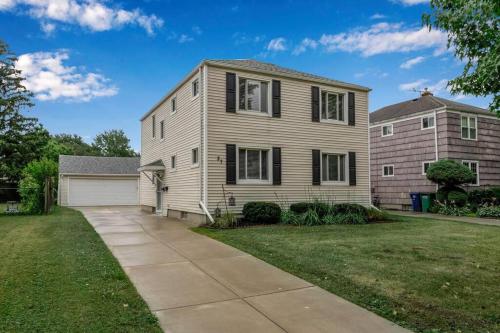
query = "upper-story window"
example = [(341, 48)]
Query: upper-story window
[(153, 126), (194, 156), (195, 88), (469, 128), (332, 106), (162, 129), (387, 130), (333, 167), (474, 167), (173, 162), (388, 170), (425, 166), (253, 95), (428, 122), (174, 104)]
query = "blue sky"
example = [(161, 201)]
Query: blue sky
[(100, 64)]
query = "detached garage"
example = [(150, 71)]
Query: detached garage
[(98, 181)]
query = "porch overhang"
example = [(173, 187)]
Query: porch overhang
[(156, 168)]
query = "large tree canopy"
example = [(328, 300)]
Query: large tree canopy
[(21, 138), (75, 144), (473, 28), (113, 143)]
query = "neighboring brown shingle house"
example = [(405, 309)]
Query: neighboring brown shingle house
[(406, 137)]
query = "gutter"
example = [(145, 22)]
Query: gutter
[(202, 206)]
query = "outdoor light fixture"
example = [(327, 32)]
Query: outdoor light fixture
[(231, 200)]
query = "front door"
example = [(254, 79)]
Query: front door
[(159, 196)]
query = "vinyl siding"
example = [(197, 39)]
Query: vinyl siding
[(297, 136), (182, 133)]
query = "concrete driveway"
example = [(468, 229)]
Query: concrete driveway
[(196, 284)]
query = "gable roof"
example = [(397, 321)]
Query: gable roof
[(255, 66), (421, 104), (265, 67), (94, 165)]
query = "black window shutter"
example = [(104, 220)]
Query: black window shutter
[(276, 98), (276, 166), (231, 164), (316, 168), (351, 109), (352, 168), (315, 103), (230, 92)]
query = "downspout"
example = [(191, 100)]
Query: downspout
[(370, 202), (204, 202), (436, 140)]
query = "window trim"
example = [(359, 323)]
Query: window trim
[(423, 166), (333, 121), (173, 102), (422, 122), (153, 126), (162, 130), (383, 170), (197, 81), (386, 125), (174, 156), (269, 96), (197, 164), (268, 181), (477, 171), (346, 166), (469, 117)]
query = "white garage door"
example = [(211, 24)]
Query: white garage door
[(102, 191)]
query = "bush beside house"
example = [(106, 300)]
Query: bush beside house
[(33, 182)]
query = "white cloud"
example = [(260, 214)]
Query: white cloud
[(49, 79), (242, 38), (416, 85), (197, 30), (305, 44), (377, 16), (94, 15), (411, 2), (411, 62), (385, 38), (277, 44), (48, 28), (185, 39), (438, 87)]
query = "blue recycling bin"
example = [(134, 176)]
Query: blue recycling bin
[(415, 202)]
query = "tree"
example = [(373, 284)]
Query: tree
[(473, 28), (32, 185), (449, 173), (53, 149), (113, 143), (21, 138), (75, 144)]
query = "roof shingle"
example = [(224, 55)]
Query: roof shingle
[(94, 165)]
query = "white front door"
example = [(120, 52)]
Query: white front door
[(159, 196)]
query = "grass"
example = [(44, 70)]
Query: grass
[(56, 275), (426, 275)]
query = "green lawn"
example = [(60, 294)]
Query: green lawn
[(56, 275), (426, 275)]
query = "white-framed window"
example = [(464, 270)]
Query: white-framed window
[(153, 126), (387, 130), (469, 127), (254, 165), (333, 167), (195, 156), (474, 167), (428, 122), (173, 104), (195, 88), (333, 106), (253, 95), (162, 129), (425, 166), (173, 162), (388, 170)]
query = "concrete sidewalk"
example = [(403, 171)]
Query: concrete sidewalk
[(466, 219), (196, 284)]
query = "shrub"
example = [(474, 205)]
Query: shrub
[(496, 194), (482, 197), (449, 173), (289, 217), (344, 208), (260, 212), (321, 208), (443, 192), (300, 207), (227, 220), (454, 210), (375, 215), (32, 184), (310, 218), (489, 211), (459, 198), (346, 218)]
